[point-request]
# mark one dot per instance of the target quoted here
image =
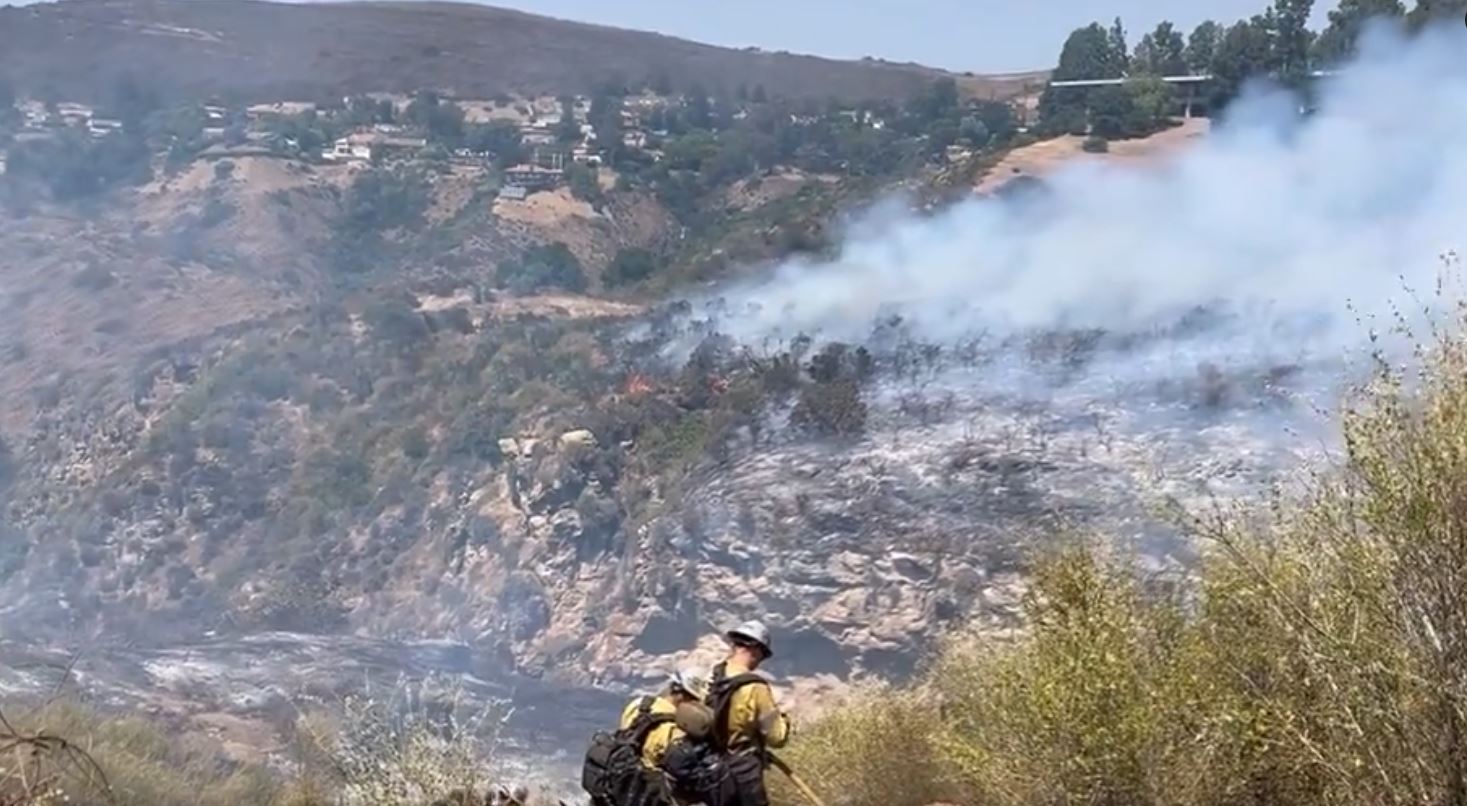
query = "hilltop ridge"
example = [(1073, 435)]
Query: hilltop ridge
[(264, 50)]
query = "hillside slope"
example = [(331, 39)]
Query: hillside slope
[(258, 50)]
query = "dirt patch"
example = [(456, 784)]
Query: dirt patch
[(476, 111), (243, 740), (1044, 158), (550, 208), (454, 191), (750, 194), (567, 306), (557, 216)]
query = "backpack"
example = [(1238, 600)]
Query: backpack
[(696, 772), (614, 761), (720, 697)]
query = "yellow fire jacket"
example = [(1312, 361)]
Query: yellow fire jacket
[(661, 737)]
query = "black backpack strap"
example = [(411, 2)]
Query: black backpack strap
[(720, 698), (644, 726)]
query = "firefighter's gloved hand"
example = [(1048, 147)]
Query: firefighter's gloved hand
[(769, 723)]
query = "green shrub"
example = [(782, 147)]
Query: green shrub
[(334, 478), (9, 465), (395, 321), (543, 267), (630, 265), (415, 444), (383, 199), (73, 166), (584, 185), (94, 278), (830, 409), (1079, 710)]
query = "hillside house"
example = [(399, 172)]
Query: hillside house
[(646, 102), (634, 139), (215, 115), (533, 177), (279, 110), (74, 114), (372, 145), (344, 150), (101, 127), (545, 106), (537, 134), (583, 155), (35, 114)]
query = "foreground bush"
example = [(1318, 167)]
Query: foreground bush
[(1317, 656), (63, 753), (410, 745), (881, 751), (414, 744)]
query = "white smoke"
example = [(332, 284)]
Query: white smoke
[(1285, 221)]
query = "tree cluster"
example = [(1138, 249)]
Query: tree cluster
[(551, 266), (73, 165), (1275, 44)]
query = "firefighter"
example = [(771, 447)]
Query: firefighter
[(684, 687), (747, 721)]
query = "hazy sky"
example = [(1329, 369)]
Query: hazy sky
[(980, 35)]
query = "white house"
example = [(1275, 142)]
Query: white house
[(366, 145), (344, 150), (279, 109), (74, 114), (536, 134), (582, 155), (101, 127)]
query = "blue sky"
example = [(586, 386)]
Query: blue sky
[(979, 35)]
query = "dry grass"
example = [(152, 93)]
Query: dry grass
[(413, 744), (881, 747), (409, 745), (68, 754)]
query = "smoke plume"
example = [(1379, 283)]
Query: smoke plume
[(1286, 222)]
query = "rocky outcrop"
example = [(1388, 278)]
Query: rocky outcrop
[(861, 554)]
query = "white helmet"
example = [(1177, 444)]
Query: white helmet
[(751, 632), (691, 680)]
